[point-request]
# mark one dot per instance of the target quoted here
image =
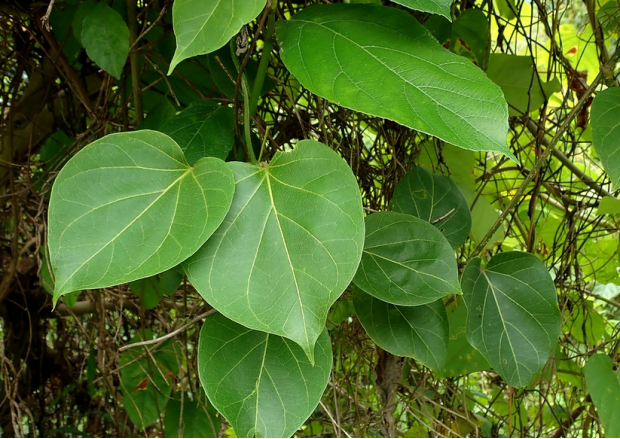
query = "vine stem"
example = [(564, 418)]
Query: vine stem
[(264, 61), (246, 105), (545, 155)]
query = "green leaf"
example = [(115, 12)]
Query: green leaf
[(152, 289), (406, 261), (470, 35), (195, 418), (119, 210), (419, 332), (383, 62), (158, 116), (146, 379), (604, 389), (203, 26), (608, 205), (295, 229), (439, 7), (436, 199), (520, 82), (461, 357), (203, 129), (263, 384), (514, 319), (78, 19), (606, 131), (105, 37)]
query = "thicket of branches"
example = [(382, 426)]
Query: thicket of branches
[(59, 368)]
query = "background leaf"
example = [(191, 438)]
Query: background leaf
[(419, 332), (119, 209), (263, 384), (606, 131), (204, 26), (604, 389), (203, 129), (105, 37), (386, 64), (406, 261), (431, 197), (513, 315), (295, 229), (146, 379), (152, 289), (197, 418)]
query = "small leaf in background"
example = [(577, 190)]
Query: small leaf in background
[(584, 323), (152, 289), (194, 418), (609, 16), (204, 129), (55, 147), (604, 389), (608, 205), (203, 26), (439, 7), (606, 131), (263, 384), (507, 8), (118, 210), (383, 62), (78, 19), (470, 36), (105, 37), (158, 116), (61, 19), (291, 242), (461, 357), (435, 199), (419, 332), (440, 28), (520, 82), (513, 315), (147, 378), (406, 261)]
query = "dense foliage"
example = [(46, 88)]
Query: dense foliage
[(277, 218)]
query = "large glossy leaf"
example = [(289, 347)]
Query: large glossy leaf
[(436, 199), (606, 131), (406, 261), (105, 37), (420, 332), (604, 388), (204, 129), (262, 383), (383, 62), (147, 379), (513, 315), (202, 26), (289, 246), (128, 206), (440, 7)]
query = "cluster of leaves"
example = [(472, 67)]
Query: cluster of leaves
[(271, 245)]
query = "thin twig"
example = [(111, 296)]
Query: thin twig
[(170, 335), (442, 217), (46, 18)]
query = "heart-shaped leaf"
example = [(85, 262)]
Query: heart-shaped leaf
[(406, 261), (606, 131), (128, 206), (513, 315), (440, 7), (436, 199), (289, 245), (105, 37), (202, 26), (382, 61), (604, 387), (203, 129), (419, 332), (263, 384)]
